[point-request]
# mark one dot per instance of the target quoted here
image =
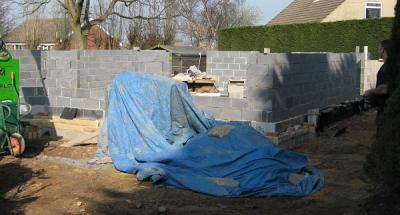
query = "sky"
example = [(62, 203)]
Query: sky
[(269, 8)]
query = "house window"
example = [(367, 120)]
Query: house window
[(373, 10)]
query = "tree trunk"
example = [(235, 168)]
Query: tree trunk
[(80, 36), (383, 162)]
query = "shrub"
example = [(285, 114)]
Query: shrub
[(342, 36)]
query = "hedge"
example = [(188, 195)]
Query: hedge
[(342, 36)]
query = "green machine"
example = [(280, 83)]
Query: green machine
[(10, 137)]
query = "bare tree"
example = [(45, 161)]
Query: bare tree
[(170, 23), (202, 19), (31, 29), (147, 33), (62, 27), (81, 16), (4, 19), (113, 25)]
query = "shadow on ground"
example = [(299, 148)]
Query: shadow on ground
[(12, 182)]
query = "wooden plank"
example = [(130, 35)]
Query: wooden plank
[(80, 140), (201, 81), (78, 122)]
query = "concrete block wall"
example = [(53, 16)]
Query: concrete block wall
[(277, 86), (52, 80), (282, 86), (33, 90), (236, 65), (369, 71), (229, 65), (226, 108), (98, 68), (301, 82)]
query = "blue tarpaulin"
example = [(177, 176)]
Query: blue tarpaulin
[(155, 131)]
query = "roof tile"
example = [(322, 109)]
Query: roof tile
[(302, 11)]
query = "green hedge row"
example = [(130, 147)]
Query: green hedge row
[(342, 36)]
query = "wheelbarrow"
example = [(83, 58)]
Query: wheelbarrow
[(10, 137)]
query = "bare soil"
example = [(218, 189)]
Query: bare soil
[(36, 184)]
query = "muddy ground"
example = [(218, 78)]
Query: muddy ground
[(47, 181)]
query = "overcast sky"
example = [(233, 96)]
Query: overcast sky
[(269, 8)]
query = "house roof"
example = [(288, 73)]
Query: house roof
[(302, 11), (47, 29), (180, 50)]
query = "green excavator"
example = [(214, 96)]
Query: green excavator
[(10, 138)]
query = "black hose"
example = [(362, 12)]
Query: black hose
[(4, 53)]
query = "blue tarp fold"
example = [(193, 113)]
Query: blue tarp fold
[(155, 131)]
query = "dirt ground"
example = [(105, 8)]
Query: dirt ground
[(47, 181)]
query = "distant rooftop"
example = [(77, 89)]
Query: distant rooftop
[(180, 50), (303, 11), (49, 30)]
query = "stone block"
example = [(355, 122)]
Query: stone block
[(29, 67), (217, 60), (92, 104), (216, 72), (222, 66), (240, 60), (234, 66), (40, 91), (27, 60), (82, 93), (38, 100), (261, 104), (78, 103), (63, 102), (53, 91), (63, 64), (227, 73), (31, 82), (229, 60), (92, 114), (211, 54), (240, 103), (231, 114), (154, 67), (26, 75), (247, 54), (275, 58), (234, 53), (67, 92), (257, 80), (252, 115), (64, 83), (97, 93), (103, 105), (224, 102), (28, 91), (202, 100), (263, 94), (244, 66), (240, 73)]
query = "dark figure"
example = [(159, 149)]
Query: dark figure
[(378, 95)]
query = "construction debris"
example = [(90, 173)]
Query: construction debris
[(197, 81)]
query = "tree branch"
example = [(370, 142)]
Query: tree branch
[(36, 5)]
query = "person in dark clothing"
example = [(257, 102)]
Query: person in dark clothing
[(379, 94)]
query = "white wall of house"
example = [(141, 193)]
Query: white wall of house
[(21, 46), (360, 9)]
